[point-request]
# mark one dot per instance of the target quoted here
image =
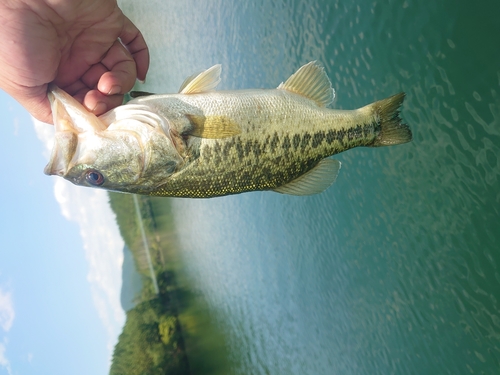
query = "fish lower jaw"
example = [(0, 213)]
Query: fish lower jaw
[(54, 170)]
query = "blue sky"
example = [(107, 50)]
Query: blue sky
[(60, 261)]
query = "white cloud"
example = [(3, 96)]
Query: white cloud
[(6, 310), (102, 242), (45, 133), (4, 362), (7, 316)]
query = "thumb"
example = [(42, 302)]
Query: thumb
[(34, 100)]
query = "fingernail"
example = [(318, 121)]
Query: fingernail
[(100, 108), (115, 90)]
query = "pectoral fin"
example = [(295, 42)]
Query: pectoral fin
[(202, 82), (212, 127), (314, 181)]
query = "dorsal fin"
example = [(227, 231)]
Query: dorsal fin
[(312, 82), (137, 94), (202, 82), (188, 80), (314, 181)]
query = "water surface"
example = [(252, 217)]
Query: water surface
[(394, 269)]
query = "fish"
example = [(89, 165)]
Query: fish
[(203, 143)]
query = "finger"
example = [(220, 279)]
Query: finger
[(98, 103), (121, 74), (34, 100), (78, 90), (132, 38), (39, 108), (92, 76)]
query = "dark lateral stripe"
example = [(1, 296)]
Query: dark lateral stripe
[(305, 140), (359, 135), (286, 145), (317, 139)]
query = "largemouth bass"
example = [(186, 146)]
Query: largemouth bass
[(203, 143)]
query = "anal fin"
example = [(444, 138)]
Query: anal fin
[(314, 181)]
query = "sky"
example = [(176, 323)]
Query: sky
[(60, 260)]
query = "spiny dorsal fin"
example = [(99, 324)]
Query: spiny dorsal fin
[(188, 80), (136, 94), (312, 82), (212, 127), (314, 181), (202, 82)]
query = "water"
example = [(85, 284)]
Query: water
[(394, 269)]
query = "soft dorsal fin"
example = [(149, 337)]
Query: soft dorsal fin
[(312, 82), (202, 82), (212, 127), (314, 181)]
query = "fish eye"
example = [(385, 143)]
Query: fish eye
[(94, 178)]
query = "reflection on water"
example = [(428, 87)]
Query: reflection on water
[(151, 341), (392, 270), (162, 313)]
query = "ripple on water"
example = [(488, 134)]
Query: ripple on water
[(395, 268)]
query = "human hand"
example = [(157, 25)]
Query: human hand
[(73, 44)]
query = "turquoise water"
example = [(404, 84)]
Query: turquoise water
[(394, 269)]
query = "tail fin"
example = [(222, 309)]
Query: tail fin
[(392, 131)]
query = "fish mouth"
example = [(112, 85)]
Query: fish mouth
[(70, 119)]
